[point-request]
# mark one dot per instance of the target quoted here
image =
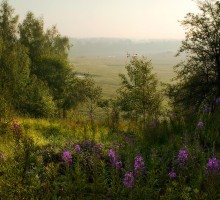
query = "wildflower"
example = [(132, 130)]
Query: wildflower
[(128, 180), (16, 127), (207, 109), (182, 156), (139, 164), (86, 143), (172, 174), (127, 139), (212, 166), (97, 146), (67, 157), (112, 155), (113, 159), (77, 148), (217, 101), (200, 124), (118, 164), (97, 149)]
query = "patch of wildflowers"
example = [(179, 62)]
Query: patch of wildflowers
[(212, 166), (139, 165), (128, 180), (182, 157), (67, 157)]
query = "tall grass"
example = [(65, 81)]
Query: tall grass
[(103, 162)]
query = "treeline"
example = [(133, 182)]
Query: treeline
[(36, 78)]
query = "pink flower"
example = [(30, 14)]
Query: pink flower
[(67, 157), (200, 124)]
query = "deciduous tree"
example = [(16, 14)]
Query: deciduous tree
[(138, 95), (198, 77)]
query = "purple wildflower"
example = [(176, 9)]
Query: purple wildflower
[(16, 128), (97, 149), (67, 157), (127, 139), (139, 164), (113, 158), (128, 180), (97, 146), (207, 109), (77, 148), (217, 101), (112, 155), (212, 166), (200, 124), (118, 164), (16, 125), (172, 174), (182, 156), (86, 143)]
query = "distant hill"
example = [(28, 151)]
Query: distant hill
[(112, 47)]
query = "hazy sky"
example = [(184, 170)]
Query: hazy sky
[(136, 19)]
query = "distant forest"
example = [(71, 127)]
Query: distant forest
[(120, 47)]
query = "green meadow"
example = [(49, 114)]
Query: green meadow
[(105, 70)]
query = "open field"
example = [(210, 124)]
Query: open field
[(105, 70)]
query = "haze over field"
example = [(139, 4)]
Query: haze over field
[(140, 19), (114, 47)]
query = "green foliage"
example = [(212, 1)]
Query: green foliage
[(138, 95), (37, 100), (35, 75), (198, 78), (53, 71), (8, 23)]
